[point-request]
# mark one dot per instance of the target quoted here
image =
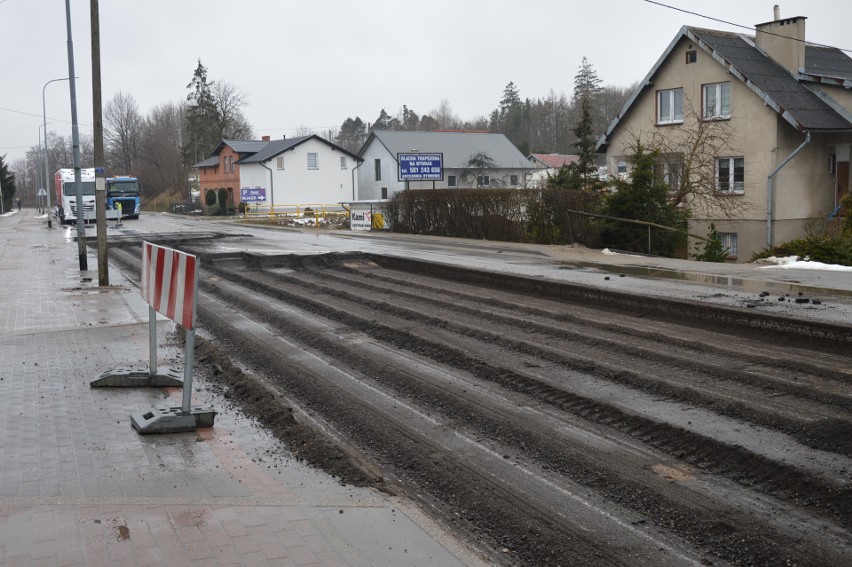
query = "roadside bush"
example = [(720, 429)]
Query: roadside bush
[(549, 220), (222, 197), (495, 214), (828, 247), (713, 250)]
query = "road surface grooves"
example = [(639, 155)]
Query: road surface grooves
[(563, 434)]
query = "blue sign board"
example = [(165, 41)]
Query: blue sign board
[(252, 194), (421, 167)]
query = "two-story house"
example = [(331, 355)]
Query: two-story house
[(469, 160), (305, 170), (754, 131)]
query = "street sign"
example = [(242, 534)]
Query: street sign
[(41, 192), (252, 194), (421, 167), (99, 170)]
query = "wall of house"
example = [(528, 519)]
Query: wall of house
[(296, 184), (841, 95), (220, 176), (368, 187)]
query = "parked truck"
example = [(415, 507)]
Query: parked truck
[(124, 190), (65, 208)]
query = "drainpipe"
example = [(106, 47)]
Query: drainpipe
[(271, 192), (353, 179), (769, 188)]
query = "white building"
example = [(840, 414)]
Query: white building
[(307, 170), (470, 160)]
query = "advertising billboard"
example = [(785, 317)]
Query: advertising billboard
[(421, 167)]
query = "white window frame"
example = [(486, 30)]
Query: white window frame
[(315, 160), (279, 162), (673, 98), (452, 181), (343, 162), (729, 243), (484, 180), (734, 187), (713, 102)]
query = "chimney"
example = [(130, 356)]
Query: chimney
[(783, 40), (264, 139)]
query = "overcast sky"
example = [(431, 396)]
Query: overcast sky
[(314, 63)]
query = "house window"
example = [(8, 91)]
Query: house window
[(717, 101), (621, 167), (279, 162), (312, 161), (377, 164), (730, 175), (231, 159), (691, 56), (670, 106), (513, 179), (451, 181), (729, 243), (342, 162), (669, 173), (384, 192), (484, 180)]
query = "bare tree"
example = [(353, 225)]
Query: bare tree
[(123, 130), (444, 116), (160, 165), (688, 155), (229, 102)]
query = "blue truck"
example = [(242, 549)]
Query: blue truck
[(124, 190)]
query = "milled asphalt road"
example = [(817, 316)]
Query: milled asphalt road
[(79, 486)]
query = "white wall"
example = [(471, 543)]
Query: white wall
[(298, 185), (368, 187)]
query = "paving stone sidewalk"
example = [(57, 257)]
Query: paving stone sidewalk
[(79, 487)]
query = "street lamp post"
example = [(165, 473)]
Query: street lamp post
[(46, 166)]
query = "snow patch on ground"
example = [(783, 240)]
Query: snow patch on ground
[(788, 262)]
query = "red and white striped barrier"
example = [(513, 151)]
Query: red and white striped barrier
[(170, 283)]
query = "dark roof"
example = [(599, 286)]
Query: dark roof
[(242, 146), (827, 62), (457, 147), (790, 97), (800, 106), (213, 160), (276, 147)]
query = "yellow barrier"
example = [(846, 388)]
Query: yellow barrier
[(316, 210)]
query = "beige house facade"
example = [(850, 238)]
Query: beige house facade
[(754, 131)]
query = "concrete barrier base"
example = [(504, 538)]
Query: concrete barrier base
[(163, 419), (139, 377)]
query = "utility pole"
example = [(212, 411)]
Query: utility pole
[(97, 114), (75, 141)]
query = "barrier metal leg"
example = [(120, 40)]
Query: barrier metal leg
[(152, 377)]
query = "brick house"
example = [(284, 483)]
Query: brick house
[(222, 170)]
